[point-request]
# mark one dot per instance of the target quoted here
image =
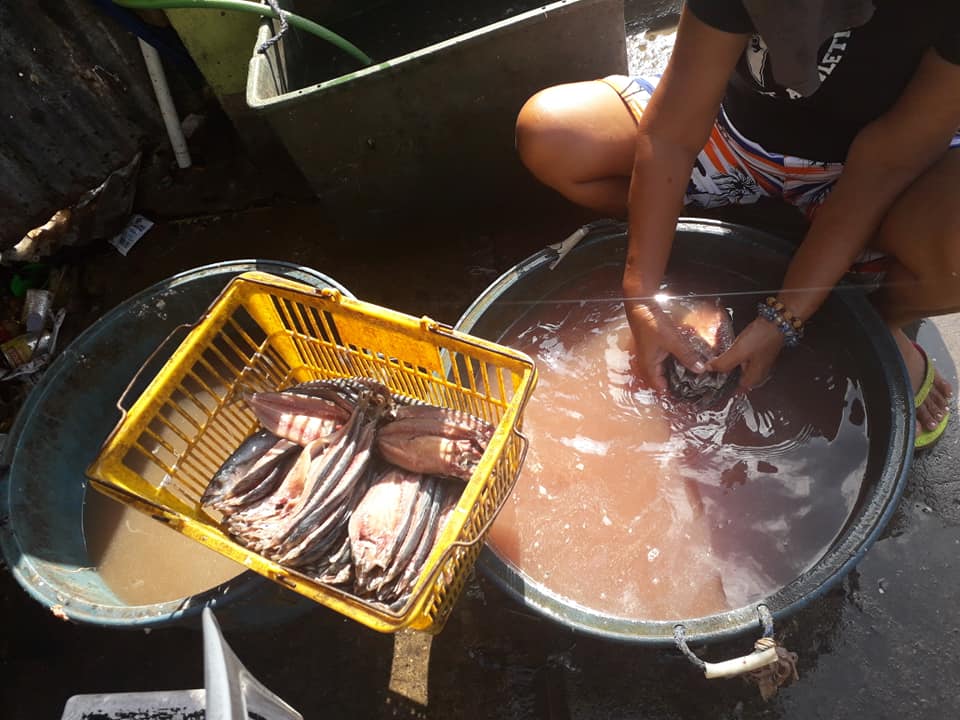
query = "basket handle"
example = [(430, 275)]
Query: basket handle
[(150, 358), (331, 294), (446, 331), (524, 444), (438, 567)]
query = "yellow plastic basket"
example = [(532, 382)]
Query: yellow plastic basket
[(266, 333)]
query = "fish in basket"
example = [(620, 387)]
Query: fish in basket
[(347, 483), (352, 453)]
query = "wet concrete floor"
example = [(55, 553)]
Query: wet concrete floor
[(885, 643)]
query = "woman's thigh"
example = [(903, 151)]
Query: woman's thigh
[(576, 133), (922, 228)]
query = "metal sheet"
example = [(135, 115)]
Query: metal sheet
[(76, 105)]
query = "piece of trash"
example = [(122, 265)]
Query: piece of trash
[(780, 673), (26, 354), (42, 239), (191, 123), (31, 275), (136, 228), (36, 309), (17, 352), (96, 215)]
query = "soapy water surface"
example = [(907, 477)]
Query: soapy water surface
[(634, 505)]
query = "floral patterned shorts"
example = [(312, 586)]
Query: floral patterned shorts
[(733, 170)]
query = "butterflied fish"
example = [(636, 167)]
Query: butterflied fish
[(255, 469), (445, 499), (321, 463), (434, 441), (315, 409), (321, 519), (709, 328), (348, 483), (298, 416), (417, 529), (337, 569), (380, 522)]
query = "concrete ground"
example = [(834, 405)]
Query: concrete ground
[(884, 644)]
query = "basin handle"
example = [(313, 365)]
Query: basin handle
[(766, 653), (571, 241), (743, 664)]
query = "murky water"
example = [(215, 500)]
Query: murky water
[(142, 560), (631, 505), (145, 562)]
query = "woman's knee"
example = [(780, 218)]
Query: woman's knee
[(922, 228), (542, 126), (943, 256), (573, 130), (928, 248)]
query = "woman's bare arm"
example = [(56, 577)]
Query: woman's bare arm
[(885, 157), (671, 132)]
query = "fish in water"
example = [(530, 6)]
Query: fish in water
[(708, 327)]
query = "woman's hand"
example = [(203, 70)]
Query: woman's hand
[(755, 351), (655, 337)]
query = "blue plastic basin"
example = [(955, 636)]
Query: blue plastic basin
[(886, 385), (59, 431)]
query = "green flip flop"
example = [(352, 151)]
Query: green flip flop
[(928, 437)]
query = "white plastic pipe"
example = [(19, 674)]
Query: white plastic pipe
[(736, 666), (165, 100)]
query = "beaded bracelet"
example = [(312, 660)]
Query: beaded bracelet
[(791, 326)]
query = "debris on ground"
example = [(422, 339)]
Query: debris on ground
[(135, 229), (33, 307), (99, 214)]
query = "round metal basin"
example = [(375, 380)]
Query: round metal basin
[(880, 370), (58, 432)]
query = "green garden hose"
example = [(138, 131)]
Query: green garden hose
[(257, 9)]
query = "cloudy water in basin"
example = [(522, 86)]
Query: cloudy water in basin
[(639, 506), (141, 559)]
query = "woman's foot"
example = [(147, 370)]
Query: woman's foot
[(935, 406)]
